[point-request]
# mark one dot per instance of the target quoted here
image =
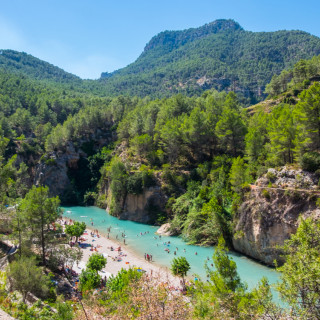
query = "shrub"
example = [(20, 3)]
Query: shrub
[(96, 262), (271, 176), (89, 279), (134, 184), (50, 162), (266, 194), (310, 161), (122, 279)]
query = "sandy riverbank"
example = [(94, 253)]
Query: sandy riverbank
[(127, 258)]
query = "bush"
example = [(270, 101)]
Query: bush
[(52, 295), (122, 279), (266, 194), (271, 176), (310, 161), (89, 279), (134, 184), (139, 181), (50, 162), (96, 262)]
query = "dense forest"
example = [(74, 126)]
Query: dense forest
[(200, 149), (219, 55)]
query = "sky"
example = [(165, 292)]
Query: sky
[(87, 37)]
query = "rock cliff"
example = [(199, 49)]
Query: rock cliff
[(271, 211), (52, 170), (144, 207)]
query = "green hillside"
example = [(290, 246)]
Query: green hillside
[(204, 159), (219, 55), (23, 63)]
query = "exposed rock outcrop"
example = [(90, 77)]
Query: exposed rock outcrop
[(271, 210), (164, 230), (54, 172), (145, 206)]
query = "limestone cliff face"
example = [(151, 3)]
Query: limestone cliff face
[(144, 207), (271, 210), (54, 173), (139, 207)]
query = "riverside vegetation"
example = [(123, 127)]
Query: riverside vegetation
[(201, 152)]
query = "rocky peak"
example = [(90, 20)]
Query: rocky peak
[(174, 39)]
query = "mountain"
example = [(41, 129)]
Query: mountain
[(220, 55), (29, 67), (25, 64)]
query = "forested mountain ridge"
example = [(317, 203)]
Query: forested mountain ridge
[(25, 64), (219, 55), (202, 164)]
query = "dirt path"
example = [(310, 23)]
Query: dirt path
[(254, 187)]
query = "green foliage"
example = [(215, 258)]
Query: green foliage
[(299, 285), (64, 311), (39, 211), (119, 282), (231, 128), (308, 112), (226, 276), (271, 176), (282, 133), (117, 175), (207, 225), (224, 296), (119, 289), (296, 78), (310, 161), (24, 276), (180, 267), (138, 181), (238, 174), (266, 194), (218, 55), (89, 279), (96, 262), (76, 229)]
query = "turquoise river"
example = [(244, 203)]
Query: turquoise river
[(141, 238)]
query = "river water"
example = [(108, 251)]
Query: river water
[(141, 238)]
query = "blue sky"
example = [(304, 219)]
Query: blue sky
[(89, 37)]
